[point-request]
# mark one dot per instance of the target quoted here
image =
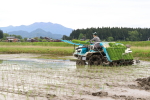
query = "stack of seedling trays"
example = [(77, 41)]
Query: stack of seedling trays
[(81, 42), (117, 52)]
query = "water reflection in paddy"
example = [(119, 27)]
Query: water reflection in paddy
[(36, 63)]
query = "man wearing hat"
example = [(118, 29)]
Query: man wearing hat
[(95, 38)]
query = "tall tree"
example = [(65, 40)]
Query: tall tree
[(1, 34), (81, 36), (110, 39), (133, 35), (66, 37)]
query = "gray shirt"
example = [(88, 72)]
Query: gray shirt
[(95, 39)]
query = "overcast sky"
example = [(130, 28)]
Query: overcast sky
[(76, 13)]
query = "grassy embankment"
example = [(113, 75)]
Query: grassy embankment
[(51, 49), (141, 49)]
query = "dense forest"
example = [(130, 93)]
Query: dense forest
[(112, 34)]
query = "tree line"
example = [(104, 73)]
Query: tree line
[(111, 34), (4, 35)]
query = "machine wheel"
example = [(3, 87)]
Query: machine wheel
[(94, 60), (80, 62), (114, 64), (131, 62), (111, 64)]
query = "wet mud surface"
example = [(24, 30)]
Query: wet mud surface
[(23, 77), (144, 83)]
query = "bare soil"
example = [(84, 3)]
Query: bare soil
[(27, 82)]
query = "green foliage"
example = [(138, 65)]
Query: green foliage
[(18, 36), (116, 52), (110, 39), (22, 40), (36, 38), (7, 35), (25, 39), (66, 37), (133, 35), (81, 36), (44, 40), (1, 34), (81, 42), (116, 45), (117, 33)]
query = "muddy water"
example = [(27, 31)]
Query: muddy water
[(23, 77), (37, 63)]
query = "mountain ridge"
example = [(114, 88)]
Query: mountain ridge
[(36, 33), (46, 26)]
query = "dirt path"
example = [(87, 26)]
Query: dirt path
[(28, 82)]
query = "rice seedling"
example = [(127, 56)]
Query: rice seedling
[(4, 96), (80, 93), (73, 92), (81, 42), (63, 81)]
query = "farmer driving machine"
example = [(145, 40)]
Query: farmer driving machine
[(102, 53)]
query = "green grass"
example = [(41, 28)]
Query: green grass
[(136, 43), (55, 48), (37, 50), (142, 53), (141, 49), (35, 44)]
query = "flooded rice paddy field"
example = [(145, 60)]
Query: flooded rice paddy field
[(23, 77)]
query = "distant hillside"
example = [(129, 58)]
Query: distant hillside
[(48, 27), (22, 33), (36, 33)]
